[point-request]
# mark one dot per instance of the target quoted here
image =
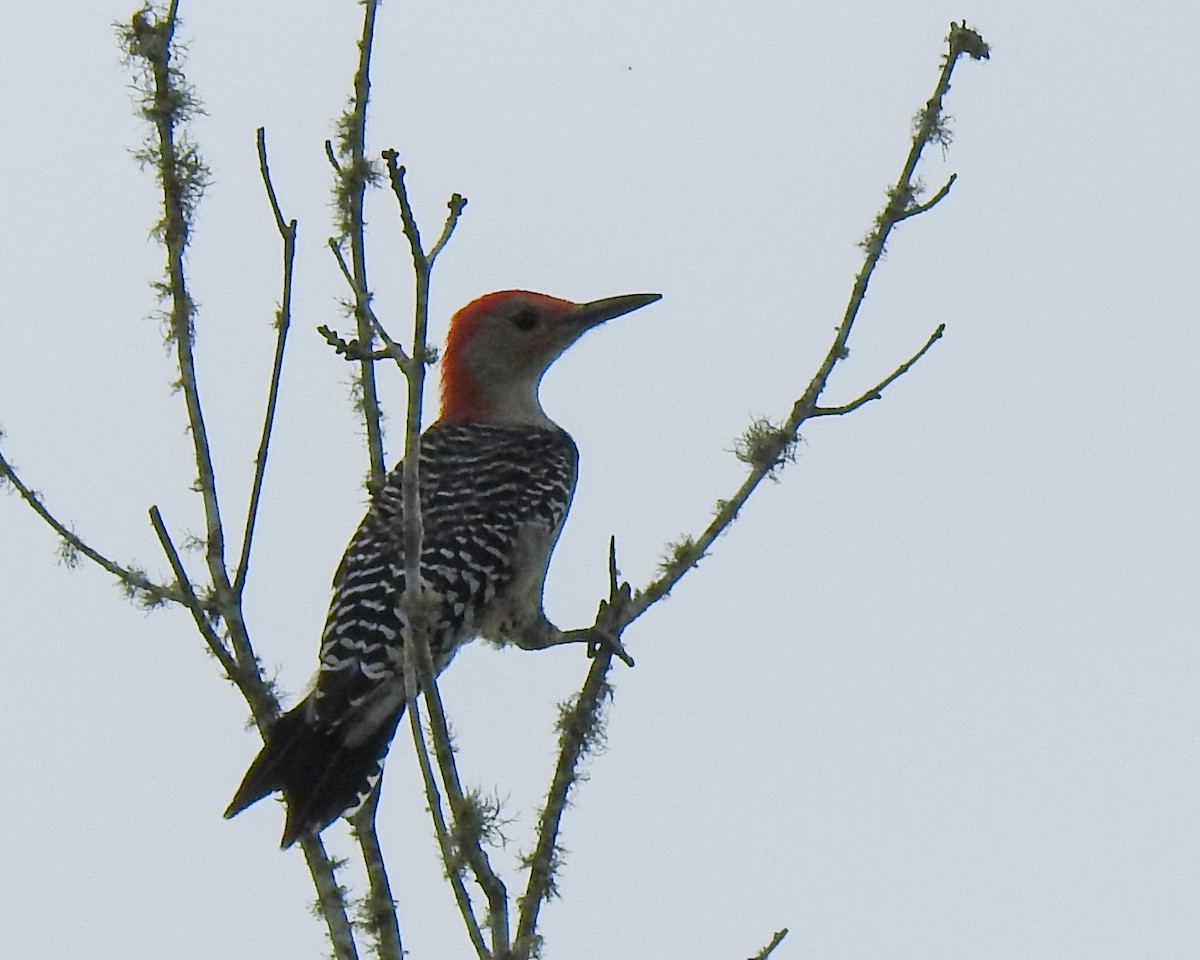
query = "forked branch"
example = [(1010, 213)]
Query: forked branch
[(167, 104), (767, 447), (136, 584), (283, 322)]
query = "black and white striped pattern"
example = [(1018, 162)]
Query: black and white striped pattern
[(493, 499), (481, 486)]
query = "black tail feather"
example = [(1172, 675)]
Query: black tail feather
[(321, 777)]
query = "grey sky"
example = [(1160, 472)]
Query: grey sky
[(933, 696)]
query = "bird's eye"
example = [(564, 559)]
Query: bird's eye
[(525, 319)]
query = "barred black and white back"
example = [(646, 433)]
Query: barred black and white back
[(493, 500)]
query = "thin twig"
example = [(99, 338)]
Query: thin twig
[(347, 273), (876, 392), (450, 857), (897, 208), (262, 702), (396, 173), (422, 267), (203, 624), (456, 203), (354, 175), (331, 156), (283, 320), (330, 897), (928, 204), (414, 532), (465, 839), (286, 228), (770, 947), (133, 580), (379, 909), (577, 729), (353, 350), (356, 350), (422, 261)]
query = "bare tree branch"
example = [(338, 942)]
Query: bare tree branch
[(183, 176), (378, 910), (331, 156), (450, 855), (422, 269), (456, 204), (876, 392), (167, 104), (580, 729), (929, 204), (767, 447), (331, 899), (262, 702), (283, 321), (192, 602), (354, 173), (466, 835), (770, 947), (135, 582), (355, 349)]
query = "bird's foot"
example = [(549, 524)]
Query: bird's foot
[(598, 640), (604, 636)]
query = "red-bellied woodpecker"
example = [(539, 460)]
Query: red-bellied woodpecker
[(496, 479)]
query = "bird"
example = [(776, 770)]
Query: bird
[(496, 478)]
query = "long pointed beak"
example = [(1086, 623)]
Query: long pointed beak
[(596, 312)]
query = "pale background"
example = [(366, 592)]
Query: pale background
[(934, 696)]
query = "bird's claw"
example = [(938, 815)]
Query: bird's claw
[(603, 640), (598, 640)]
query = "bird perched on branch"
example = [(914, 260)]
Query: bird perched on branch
[(496, 479)]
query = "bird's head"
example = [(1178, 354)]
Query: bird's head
[(500, 345)]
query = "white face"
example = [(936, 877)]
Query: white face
[(520, 339), (501, 345), (510, 351)]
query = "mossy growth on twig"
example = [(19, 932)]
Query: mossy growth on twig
[(373, 913), (765, 446), (68, 553), (353, 177), (963, 39), (529, 947), (354, 170), (557, 859), (583, 724), (679, 555), (168, 102), (478, 822)]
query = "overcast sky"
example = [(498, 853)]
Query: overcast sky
[(935, 694)]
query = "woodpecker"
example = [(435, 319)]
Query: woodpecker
[(496, 479)]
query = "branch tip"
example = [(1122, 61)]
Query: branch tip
[(963, 39), (776, 940)]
